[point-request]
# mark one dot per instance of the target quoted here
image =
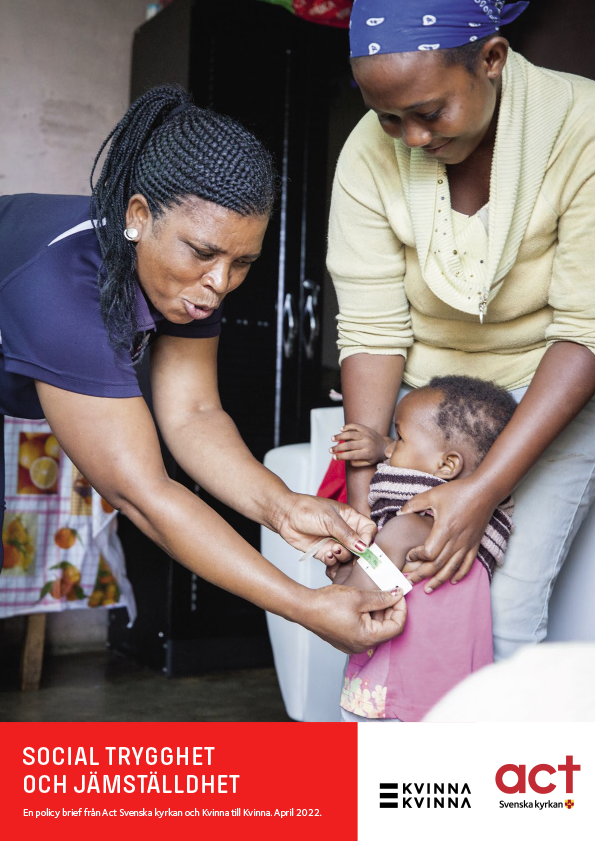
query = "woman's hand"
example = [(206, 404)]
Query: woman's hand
[(462, 511), (360, 445), (334, 607), (307, 519)]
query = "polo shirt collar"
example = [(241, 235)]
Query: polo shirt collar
[(144, 317)]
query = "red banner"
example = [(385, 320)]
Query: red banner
[(93, 780)]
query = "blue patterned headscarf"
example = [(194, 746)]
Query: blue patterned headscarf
[(402, 26)]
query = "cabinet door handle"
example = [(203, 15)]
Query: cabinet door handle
[(289, 334), (312, 319)]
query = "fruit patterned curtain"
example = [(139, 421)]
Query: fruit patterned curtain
[(329, 12), (61, 549)]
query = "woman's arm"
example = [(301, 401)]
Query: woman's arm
[(563, 383), (202, 437), (113, 442), (370, 385), (366, 260), (207, 445)]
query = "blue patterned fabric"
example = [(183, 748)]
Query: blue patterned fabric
[(402, 26)]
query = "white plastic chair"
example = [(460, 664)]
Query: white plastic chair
[(310, 671)]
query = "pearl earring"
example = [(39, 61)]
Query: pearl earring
[(131, 234)]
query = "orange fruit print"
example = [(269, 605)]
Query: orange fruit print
[(12, 556), (29, 451), (65, 538), (106, 506)]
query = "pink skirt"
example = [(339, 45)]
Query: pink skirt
[(448, 635)]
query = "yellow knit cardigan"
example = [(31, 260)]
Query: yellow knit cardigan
[(411, 282)]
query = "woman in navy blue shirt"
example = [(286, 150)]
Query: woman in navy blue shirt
[(178, 215)]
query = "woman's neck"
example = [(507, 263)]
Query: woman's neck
[(469, 181)]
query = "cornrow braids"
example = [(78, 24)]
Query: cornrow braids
[(473, 408), (167, 149)]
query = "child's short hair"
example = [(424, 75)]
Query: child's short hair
[(477, 409)]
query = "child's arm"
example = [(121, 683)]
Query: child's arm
[(397, 537), (360, 445)]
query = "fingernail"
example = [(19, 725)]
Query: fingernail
[(454, 582), (399, 513), (360, 546), (396, 592), (428, 590)]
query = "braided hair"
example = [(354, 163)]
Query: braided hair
[(167, 149)]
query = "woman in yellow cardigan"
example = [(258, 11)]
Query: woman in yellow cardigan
[(462, 241)]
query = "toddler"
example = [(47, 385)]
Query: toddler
[(443, 431)]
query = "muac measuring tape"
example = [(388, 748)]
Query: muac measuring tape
[(375, 563)]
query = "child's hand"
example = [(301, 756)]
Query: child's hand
[(339, 573), (410, 566), (360, 445)]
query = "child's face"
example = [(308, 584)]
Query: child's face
[(419, 444)]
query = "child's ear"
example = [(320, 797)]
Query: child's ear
[(451, 465)]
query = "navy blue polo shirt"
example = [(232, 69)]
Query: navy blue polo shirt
[(50, 318)]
